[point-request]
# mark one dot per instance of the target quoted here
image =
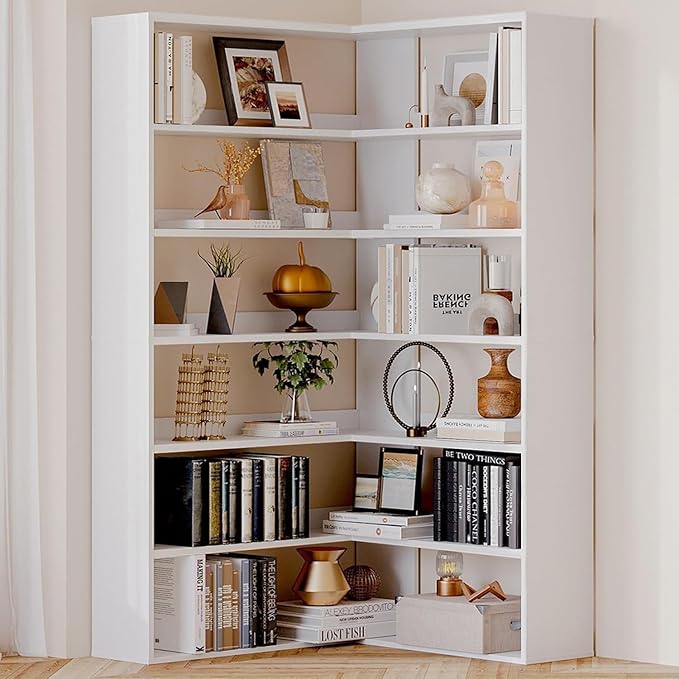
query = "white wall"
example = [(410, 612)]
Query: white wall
[(637, 465)]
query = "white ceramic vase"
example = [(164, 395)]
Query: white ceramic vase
[(443, 190)]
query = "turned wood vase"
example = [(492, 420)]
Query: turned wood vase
[(499, 392)]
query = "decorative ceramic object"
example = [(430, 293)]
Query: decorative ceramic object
[(199, 98), (215, 393), (188, 411), (442, 190), (364, 582), (321, 581), (491, 306), (169, 303), (493, 210), (236, 203), (316, 218), (447, 105), (499, 392)]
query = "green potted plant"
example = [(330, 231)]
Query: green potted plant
[(297, 366), (224, 266)]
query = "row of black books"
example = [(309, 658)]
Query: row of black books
[(231, 500), (214, 603), (477, 498)]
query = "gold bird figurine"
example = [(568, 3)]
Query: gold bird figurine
[(217, 203)]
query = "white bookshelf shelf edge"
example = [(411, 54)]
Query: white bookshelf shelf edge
[(160, 657)]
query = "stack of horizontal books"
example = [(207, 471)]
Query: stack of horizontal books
[(372, 524), (470, 428), (282, 430), (347, 621)]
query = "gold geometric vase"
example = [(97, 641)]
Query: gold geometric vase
[(321, 581)]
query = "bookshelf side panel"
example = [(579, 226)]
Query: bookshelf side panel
[(557, 305), (121, 323)]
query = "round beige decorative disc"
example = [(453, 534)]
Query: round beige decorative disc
[(474, 88)]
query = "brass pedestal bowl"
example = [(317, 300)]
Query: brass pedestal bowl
[(300, 303)]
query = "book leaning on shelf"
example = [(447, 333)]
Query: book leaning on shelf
[(231, 500), (218, 603)]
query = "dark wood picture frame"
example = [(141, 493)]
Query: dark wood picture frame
[(410, 507), (234, 109), (374, 477)]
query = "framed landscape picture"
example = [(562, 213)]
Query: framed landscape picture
[(366, 493), (244, 67), (400, 479), (287, 104)]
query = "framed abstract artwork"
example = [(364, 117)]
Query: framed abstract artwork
[(244, 67)]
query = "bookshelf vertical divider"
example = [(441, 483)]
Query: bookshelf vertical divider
[(553, 571)]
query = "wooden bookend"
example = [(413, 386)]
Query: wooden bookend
[(169, 303)]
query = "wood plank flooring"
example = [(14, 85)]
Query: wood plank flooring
[(332, 662)]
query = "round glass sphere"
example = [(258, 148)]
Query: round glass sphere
[(449, 564)]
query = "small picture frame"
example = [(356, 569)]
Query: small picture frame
[(366, 493), (245, 66), (287, 104), (400, 480)]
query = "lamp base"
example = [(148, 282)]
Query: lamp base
[(449, 587)]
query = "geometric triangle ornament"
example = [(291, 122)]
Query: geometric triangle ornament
[(169, 303), (222, 315)]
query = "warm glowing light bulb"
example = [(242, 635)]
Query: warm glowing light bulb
[(449, 565)]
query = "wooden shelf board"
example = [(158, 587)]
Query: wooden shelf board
[(318, 134), (237, 441), (247, 338)]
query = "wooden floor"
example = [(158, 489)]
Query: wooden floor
[(333, 662)]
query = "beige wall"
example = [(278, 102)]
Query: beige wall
[(637, 466)]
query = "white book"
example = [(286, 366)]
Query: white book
[(243, 224), (182, 103), (389, 296), (169, 78), (425, 220), (174, 329), (274, 425), (480, 429), (494, 518), (446, 281), (490, 107), (515, 77), (381, 519), (405, 288), (246, 499), (503, 76), (382, 288), (412, 292), (285, 618), (376, 606), (398, 289), (477, 435), (370, 530), (179, 604), (159, 71), (510, 424), (333, 635)]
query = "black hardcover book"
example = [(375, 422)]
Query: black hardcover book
[(284, 498), (225, 500), (270, 598), (485, 505), (213, 507), (294, 497), (179, 497), (475, 504), (437, 498), (512, 513), (462, 502), (468, 503), (234, 501), (255, 602), (499, 459), (264, 609), (303, 514), (257, 499), (449, 504)]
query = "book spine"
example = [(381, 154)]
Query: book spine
[(328, 622), (405, 286), (284, 498), (270, 598), (269, 499), (199, 526), (389, 295), (304, 497), (515, 77), (169, 87), (214, 502), (256, 608), (159, 70), (226, 499), (368, 530), (257, 500), (450, 500), (294, 498), (398, 289), (382, 288), (494, 507), (210, 607), (234, 501), (499, 459), (414, 290), (474, 509), (382, 519), (291, 433), (462, 501), (218, 605), (235, 604), (182, 112), (337, 634), (245, 640), (485, 505), (437, 498), (200, 605), (226, 605), (246, 500), (514, 472)]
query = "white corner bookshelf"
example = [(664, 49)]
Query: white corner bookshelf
[(553, 279)]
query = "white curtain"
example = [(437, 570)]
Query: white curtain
[(22, 627)]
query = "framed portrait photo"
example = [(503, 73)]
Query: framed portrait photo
[(287, 104), (244, 67), (400, 479), (366, 493)]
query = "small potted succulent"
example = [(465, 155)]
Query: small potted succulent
[(297, 366), (224, 265)]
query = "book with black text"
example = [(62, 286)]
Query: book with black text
[(214, 502), (438, 498), (303, 512), (294, 497)]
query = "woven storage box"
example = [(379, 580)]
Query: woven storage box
[(453, 624)]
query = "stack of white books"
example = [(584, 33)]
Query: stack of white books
[(174, 329), (281, 430), (427, 220), (470, 428), (379, 525), (347, 621)]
